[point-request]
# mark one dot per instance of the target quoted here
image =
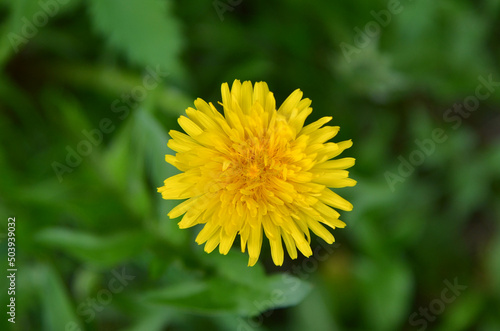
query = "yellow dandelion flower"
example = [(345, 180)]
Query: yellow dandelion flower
[(257, 170)]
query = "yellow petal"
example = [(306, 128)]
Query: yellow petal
[(189, 126), (335, 200), (342, 146), (244, 234), (226, 96), (333, 223), (270, 228), (212, 243), (190, 218), (254, 245), (277, 251), (246, 97), (260, 93), (177, 187), (204, 121), (207, 232), (182, 208), (320, 231), (331, 178), (343, 163), (344, 182), (326, 211), (226, 241), (301, 242), (308, 129), (290, 103), (290, 245), (323, 135)]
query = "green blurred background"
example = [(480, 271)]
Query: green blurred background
[(89, 90)]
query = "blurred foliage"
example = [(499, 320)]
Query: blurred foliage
[(89, 90)]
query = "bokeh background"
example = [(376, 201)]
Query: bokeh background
[(90, 89)]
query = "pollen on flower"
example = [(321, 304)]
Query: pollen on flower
[(253, 170), (256, 170)]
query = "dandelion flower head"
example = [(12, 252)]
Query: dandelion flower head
[(256, 170)]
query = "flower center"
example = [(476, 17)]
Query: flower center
[(253, 171), (256, 169), (252, 163)]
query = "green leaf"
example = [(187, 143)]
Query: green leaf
[(233, 267), (153, 139), (150, 140), (235, 288), (13, 32), (144, 30), (153, 319), (27, 18), (99, 250), (464, 312), (379, 281), (116, 159), (372, 73), (493, 263), (124, 166), (314, 310), (57, 310)]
